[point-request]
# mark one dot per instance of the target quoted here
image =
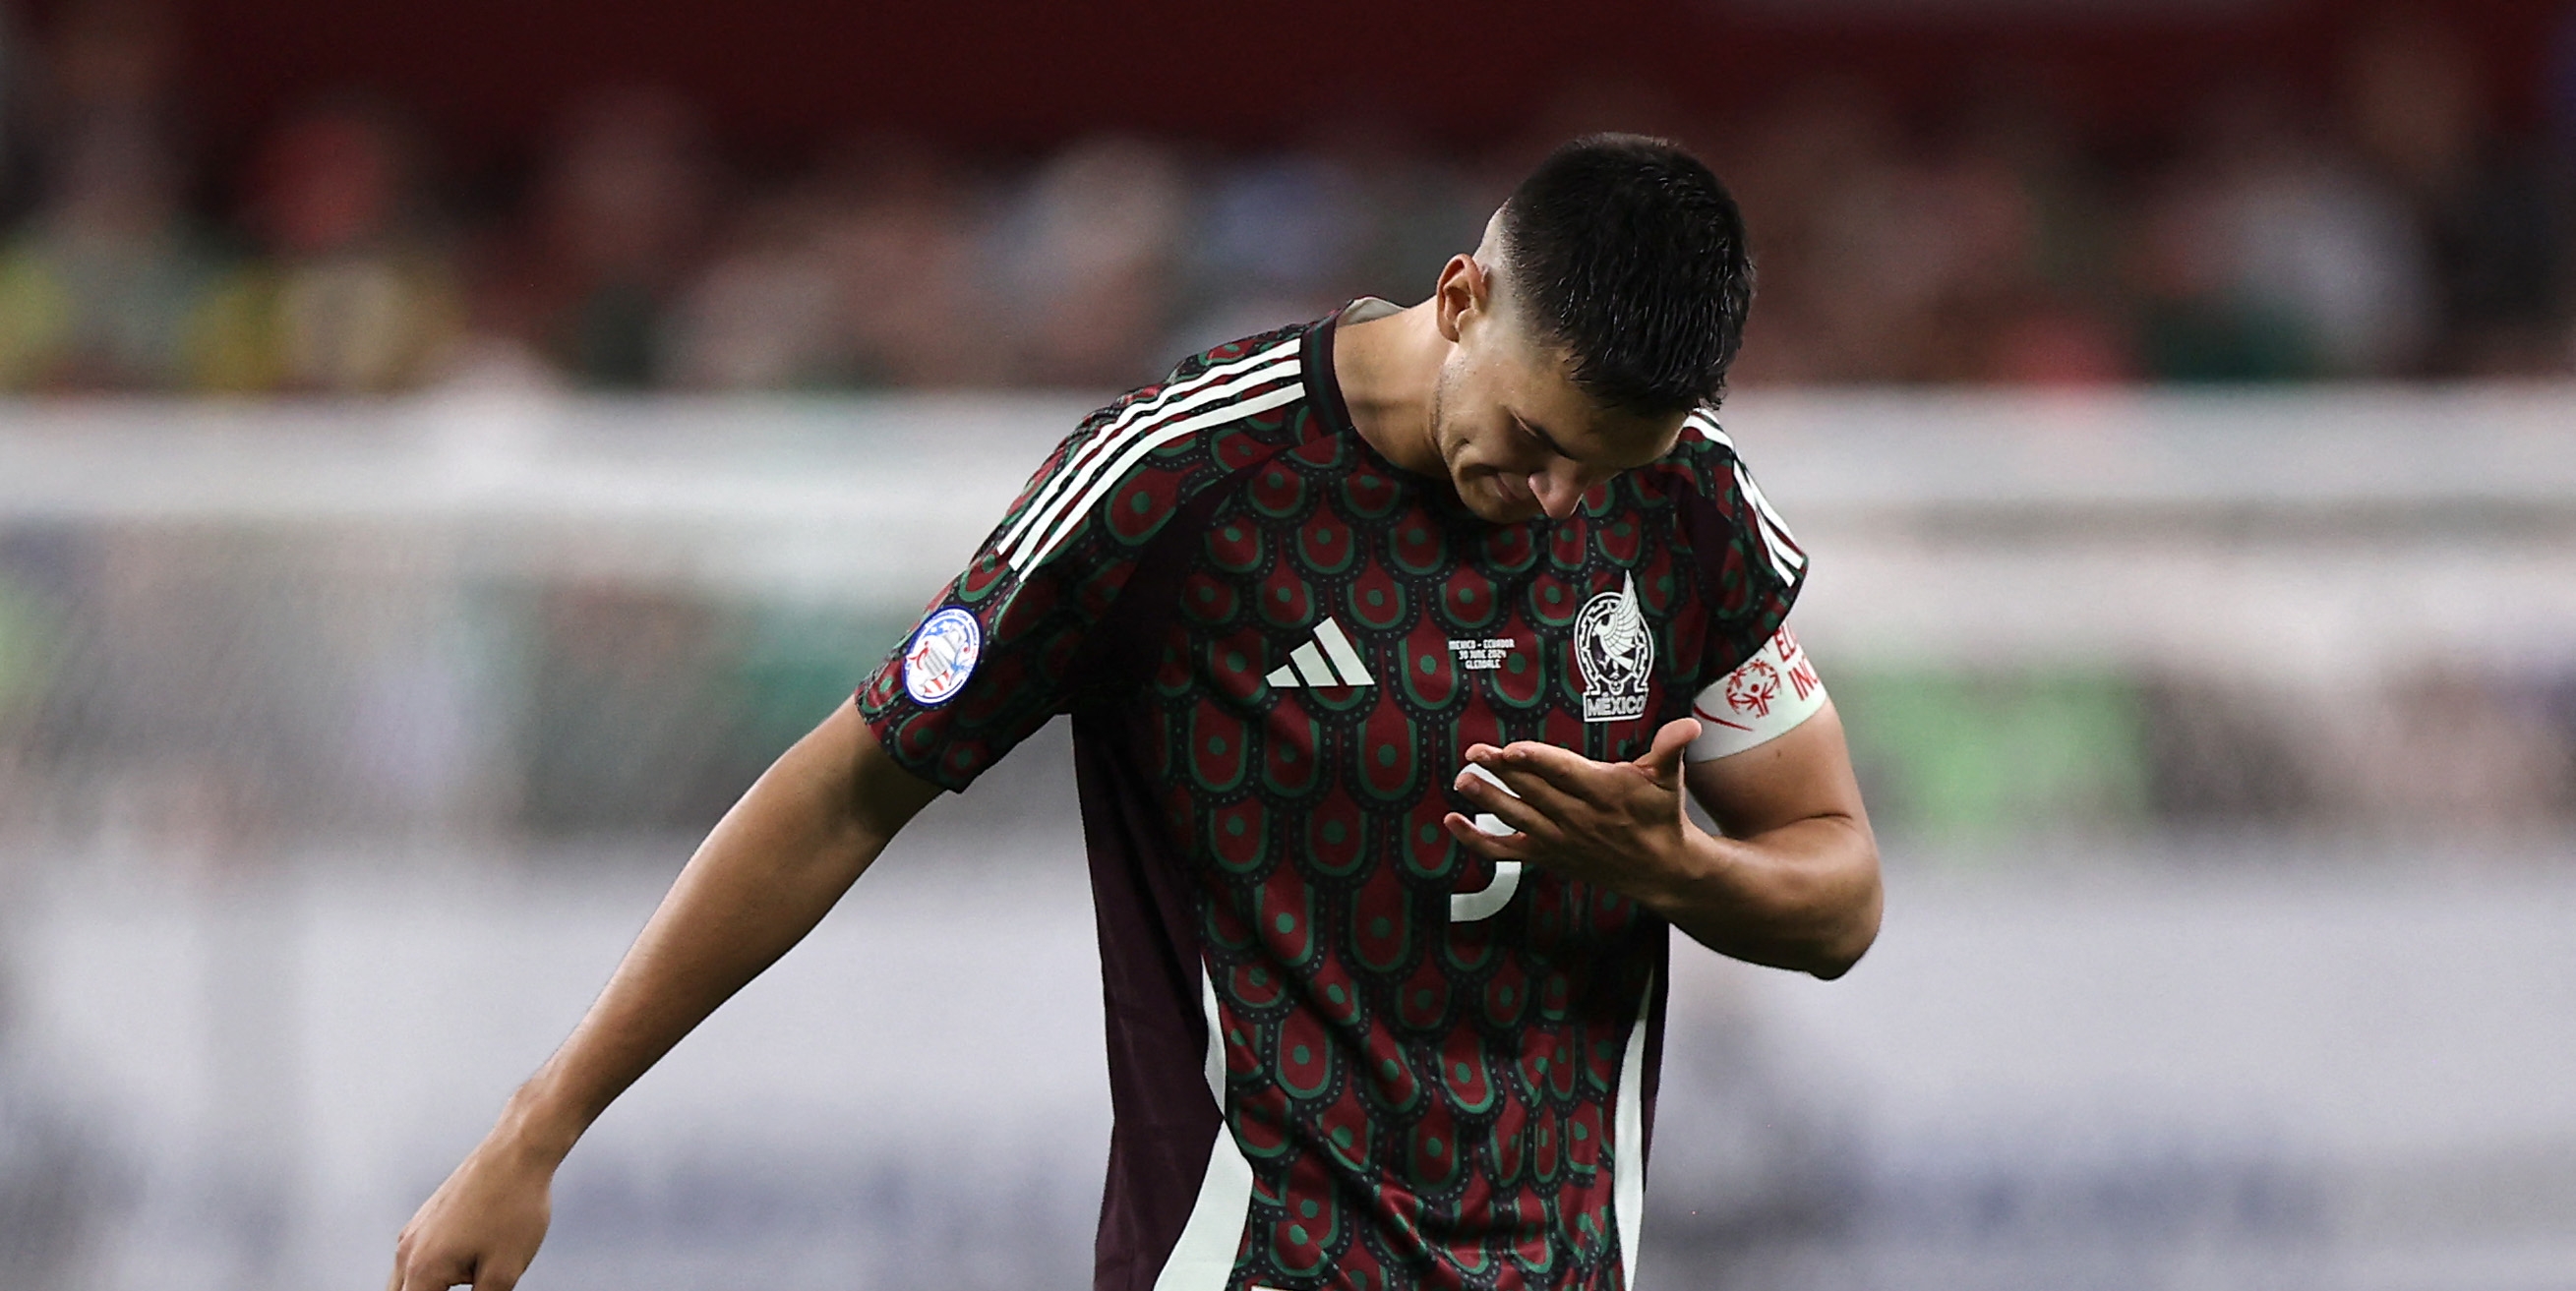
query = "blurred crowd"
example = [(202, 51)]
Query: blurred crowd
[(2390, 226)]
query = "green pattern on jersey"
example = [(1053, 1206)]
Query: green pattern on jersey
[(1424, 1103)]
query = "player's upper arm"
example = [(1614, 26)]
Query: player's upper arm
[(1770, 749), (1803, 774), (876, 795), (884, 794)]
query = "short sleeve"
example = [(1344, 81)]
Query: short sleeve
[(1016, 638), (1036, 623), (1751, 569)]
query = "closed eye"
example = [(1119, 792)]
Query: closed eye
[(1542, 437)]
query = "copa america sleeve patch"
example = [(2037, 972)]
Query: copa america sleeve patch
[(1766, 697), (942, 656)]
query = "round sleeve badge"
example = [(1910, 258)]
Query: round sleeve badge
[(942, 656)]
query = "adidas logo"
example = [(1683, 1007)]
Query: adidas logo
[(1327, 660)]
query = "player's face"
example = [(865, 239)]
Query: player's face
[(1520, 439)]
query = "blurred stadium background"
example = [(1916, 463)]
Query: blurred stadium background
[(449, 450)]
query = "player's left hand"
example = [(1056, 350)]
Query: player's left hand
[(1618, 824)]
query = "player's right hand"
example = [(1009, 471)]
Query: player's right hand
[(482, 1226)]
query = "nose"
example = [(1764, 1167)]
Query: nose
[(1558, 491)]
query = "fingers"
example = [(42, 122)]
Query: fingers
[(406, 1248), (1555, 797), (1663, 761), (1561, 785), (1579, 777), (1503, 847), (419, 1267), (1539, 810), (1562, 769), (427, 1275)]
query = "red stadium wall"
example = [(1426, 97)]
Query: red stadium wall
[(1012, 74)]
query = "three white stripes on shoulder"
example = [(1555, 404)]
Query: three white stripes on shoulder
[(1216, 396)]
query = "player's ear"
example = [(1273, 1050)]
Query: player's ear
[(1464, 290)]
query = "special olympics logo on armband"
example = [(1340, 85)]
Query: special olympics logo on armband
[(1751, 688), (942, 656)]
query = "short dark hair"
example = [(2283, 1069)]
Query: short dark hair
[(1630, 256)]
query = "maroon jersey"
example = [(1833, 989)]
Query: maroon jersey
[(1344, 1051)]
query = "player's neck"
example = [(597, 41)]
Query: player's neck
[(1387, 369)]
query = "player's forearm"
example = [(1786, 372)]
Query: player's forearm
[(1804, 896), (766, 875)]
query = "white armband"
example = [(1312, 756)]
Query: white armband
[(1763, 699)]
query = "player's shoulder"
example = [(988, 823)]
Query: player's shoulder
[(1704, 457), (1704, 470), (1707, 474), (1131, 465), (1239, 368)]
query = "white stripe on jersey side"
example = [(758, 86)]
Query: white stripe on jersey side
[(1215, 1071), (1109, 442), (1628, 1141), (1203, 1258), (1762, 503), (1786, 556), (1170, 397), (1708, 429), (1776, 543), (1140, 445)]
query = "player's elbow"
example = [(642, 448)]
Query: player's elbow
[(1850, 934), (1837, 956)]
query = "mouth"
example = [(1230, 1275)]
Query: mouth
[(1511, 500)]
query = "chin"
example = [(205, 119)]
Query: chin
[(1496, 507), (1485, 493)]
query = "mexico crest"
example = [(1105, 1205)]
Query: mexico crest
[(1616, 654)]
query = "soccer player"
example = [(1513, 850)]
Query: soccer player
[(1382, 637)]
